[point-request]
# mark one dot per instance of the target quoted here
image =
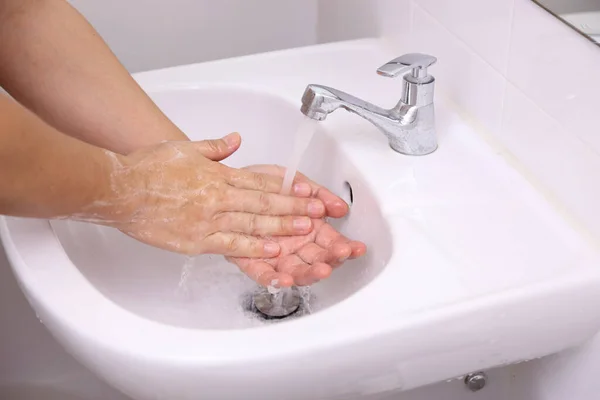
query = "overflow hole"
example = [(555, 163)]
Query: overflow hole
[(349, 196)]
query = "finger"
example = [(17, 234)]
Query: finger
[(219, 149), (327, 235), (313, 254), (262, 225), (245, 179), (338, 246), (359, 249), (302, 189), (263, 273), (337, 243), (255, 202), (334, 205), (238, 245), (340, 252), (264, 182), (304, 274)]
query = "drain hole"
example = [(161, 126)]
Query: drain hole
[(290, 303), (348, 195), (277, 305)]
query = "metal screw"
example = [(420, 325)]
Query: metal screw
[(476, 381)]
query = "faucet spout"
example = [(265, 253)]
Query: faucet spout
[(318, 101)]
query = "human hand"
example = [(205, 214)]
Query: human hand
[(176, 196), (304, 259)]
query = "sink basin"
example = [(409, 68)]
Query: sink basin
[(470, 264), (213, 294)]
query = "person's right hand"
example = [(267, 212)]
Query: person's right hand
[(177, 196)]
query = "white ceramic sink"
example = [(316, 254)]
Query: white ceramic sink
[(469, 265)]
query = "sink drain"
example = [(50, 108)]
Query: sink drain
[(288, 303), (277, 305)]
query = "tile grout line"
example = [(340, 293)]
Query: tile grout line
[(511, 28), (506, 83)]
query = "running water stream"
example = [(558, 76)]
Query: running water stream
[(302, 139), (304, 135)]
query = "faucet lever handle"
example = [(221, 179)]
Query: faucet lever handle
[(416, 62)]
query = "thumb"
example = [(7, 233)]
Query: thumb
[(220, 149)]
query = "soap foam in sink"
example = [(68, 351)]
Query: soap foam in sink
[(209, 296), (183, 288)]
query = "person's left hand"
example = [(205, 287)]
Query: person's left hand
[(304, 259)]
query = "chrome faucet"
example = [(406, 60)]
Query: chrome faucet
[(409, 126)]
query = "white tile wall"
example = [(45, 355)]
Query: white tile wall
[(558, 69), (358, 20), (470, 81), (394, 17), (149, 34), (483, 25)]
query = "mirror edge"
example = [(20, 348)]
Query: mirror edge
[(588, 37)]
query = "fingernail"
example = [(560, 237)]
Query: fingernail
[(301, 224), (232, 140), (271, 249), (341, 204), (316, 208), (302, 189)]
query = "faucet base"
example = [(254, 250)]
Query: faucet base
[(419, 138), (412, 149)]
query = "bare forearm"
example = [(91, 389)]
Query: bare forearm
[(43, 173), (55, 63)]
